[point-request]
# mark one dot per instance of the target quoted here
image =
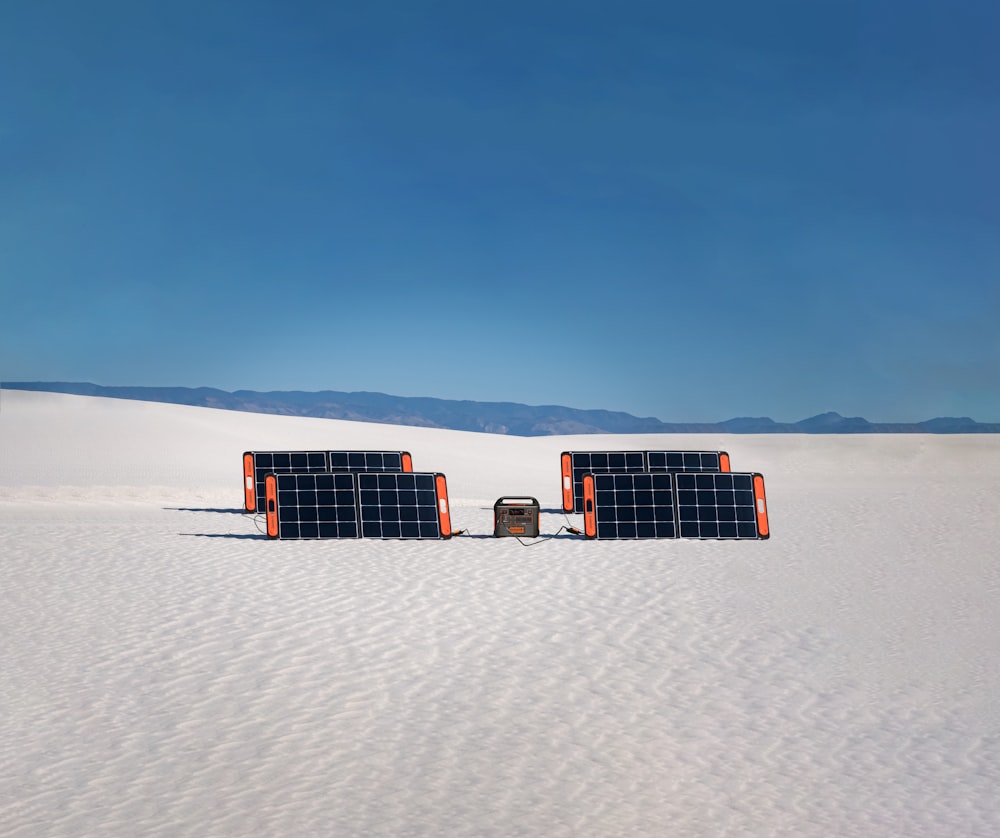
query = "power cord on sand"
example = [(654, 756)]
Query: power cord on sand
[(541, 539)]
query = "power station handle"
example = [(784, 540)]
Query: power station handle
[(519, 501)]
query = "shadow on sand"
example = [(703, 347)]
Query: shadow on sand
[(204, 509)]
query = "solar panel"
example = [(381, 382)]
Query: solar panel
[(629, 505), (395, 505), (357, 504), (719, 505), (258, 464), (575, 464), (303, 506)]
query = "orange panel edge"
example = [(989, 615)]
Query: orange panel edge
[(444, 513), (724, 461), (589, 515), (760, 504), (407, 462), (249, 489), (567, 481), (271, 504)]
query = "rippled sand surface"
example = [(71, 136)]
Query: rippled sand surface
[(168, 670)]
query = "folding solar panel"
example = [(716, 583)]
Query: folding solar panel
[(717, 505), (721, 505), (403, 505), (399, 505), (575, 464), (300, 506), (258, 464)]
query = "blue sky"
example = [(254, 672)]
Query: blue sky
[(690, 211)]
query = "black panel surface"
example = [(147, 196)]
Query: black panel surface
[(683, 461), (314, 462), (716, 505), (284, 462), (634, 506), (316, 506), (366, 460), (598, 462), (398, 505)]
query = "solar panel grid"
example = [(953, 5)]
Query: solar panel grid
[(597, 462), (398, 505), (703, 505), (683, 461), (634, 506), (366, 460), (575, 464), (284, 462), (716, 506), (316, 505), (262, 463)]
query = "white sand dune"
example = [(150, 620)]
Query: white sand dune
[(168, 671)]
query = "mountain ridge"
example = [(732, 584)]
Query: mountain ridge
[(486, 417)]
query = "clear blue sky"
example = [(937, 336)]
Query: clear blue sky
[(690, 211)]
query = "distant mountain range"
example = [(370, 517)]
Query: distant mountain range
[(490, 417)]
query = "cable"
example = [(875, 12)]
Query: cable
[(548, 536), (535, 541), (257, 517)]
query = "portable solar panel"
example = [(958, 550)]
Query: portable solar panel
[(629, 506), (717, 505), (357, 504), (300, 506), (721, 505), (575, 464), (397, 505), (258, 464)]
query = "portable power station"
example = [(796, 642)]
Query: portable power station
[(515, 516)]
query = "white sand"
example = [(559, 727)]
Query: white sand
[(165, 670)]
